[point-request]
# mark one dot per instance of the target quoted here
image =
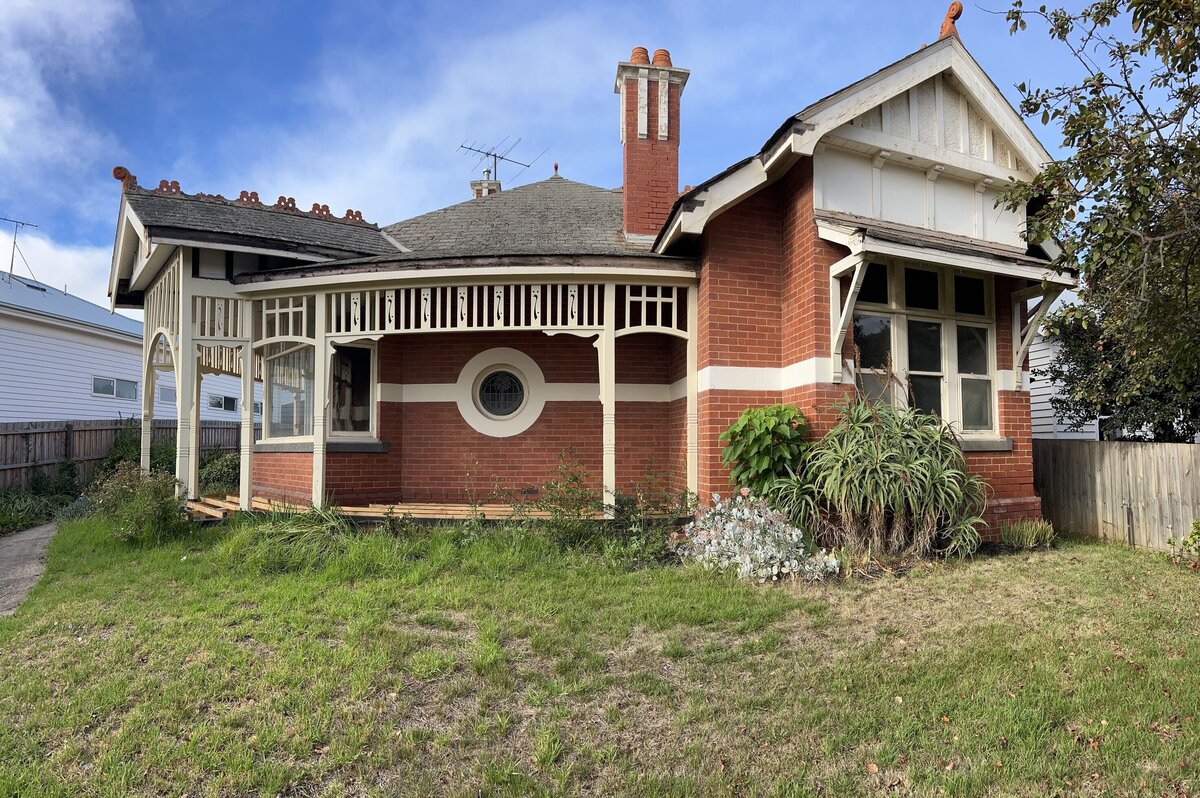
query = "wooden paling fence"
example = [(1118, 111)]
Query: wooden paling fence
[(30, 447), (1141, 494)]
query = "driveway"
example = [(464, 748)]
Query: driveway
[(22, 560)]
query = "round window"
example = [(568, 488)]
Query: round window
[(501, 393)]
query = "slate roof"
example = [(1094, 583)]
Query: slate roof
[(555, 216), (219, 216), (31, 296)]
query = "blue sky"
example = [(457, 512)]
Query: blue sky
[(363, 104)]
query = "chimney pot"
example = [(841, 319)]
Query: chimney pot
[(662, 58), (640, 55)]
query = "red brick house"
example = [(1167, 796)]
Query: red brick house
[(439, 356)]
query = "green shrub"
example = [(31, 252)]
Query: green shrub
[(1187, 550), (81, 507), (1028, 534), (571, 503), (220, 472), (143, 508), (64, 481), (22, 510), (886, 481), (763, 445), (127, 448)]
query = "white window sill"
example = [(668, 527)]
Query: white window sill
[(985, 443)]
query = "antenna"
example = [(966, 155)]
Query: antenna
[(17, 225), (496, 155)]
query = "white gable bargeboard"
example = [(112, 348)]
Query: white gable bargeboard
[(928, 157)]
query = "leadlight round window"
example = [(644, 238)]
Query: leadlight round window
[(501, 393)]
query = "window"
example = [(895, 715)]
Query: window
[(352, 386), (925, 365), (975, 382), (288, 387), (925, 340), (258, 408), (111, 386), (166, 394), (501, 393), (226, 403)]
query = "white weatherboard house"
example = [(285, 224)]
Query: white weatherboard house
[(63, 358)]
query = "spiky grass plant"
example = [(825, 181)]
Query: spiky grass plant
[(1028, 534), (886, 481)]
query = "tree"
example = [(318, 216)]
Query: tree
[(1124, 208)]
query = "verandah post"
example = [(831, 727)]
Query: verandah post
[(185, 376), (246, 441), (321, 400), (148, 380), (606, 346)]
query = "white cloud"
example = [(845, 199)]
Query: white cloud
[(48, 50), (80, 269)]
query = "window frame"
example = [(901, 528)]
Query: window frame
[(290, 347), (900, 314), (224, 399), (372, 432), (114, 394)]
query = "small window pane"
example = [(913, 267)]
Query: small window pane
[(501, 393), (873, 337), (921, 289), (924, 346), (258, 408), (972, 350), (874, 285), (103, 386), (926, 394), (351, 371), (969, 295), (126, 389), (229, 403), (875, 386), (977, 404), (166, 394), (216, 402)]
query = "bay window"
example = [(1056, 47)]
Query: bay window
[(926, 339)]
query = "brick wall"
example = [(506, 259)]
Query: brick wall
[(650, 167), (434, 455), (285, 476)]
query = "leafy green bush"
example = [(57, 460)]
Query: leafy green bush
[(144, 508), (571, 503), (1187, 550), (1028, 534), (22, 510), (886, 481), (220, 471), (63, 482), (81, 507), (127, 448), (763, 445)]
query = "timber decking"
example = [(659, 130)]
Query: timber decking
[(217, 507)]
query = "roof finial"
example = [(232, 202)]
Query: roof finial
[(556, 168), (952, 14), (128, 181)]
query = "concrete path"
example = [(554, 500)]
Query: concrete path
[(22, 560)]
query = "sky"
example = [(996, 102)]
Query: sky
[(364, 104)]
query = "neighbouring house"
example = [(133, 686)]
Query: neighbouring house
[(64, 358), (1046, 422), (441, 355)]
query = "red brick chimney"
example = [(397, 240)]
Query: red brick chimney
[(649, 137)]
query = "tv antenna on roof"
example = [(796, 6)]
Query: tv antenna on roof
[(495, 155), (12, 258)]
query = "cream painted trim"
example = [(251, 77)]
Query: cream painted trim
[(531, 378), (491, 276), (764, 378), (412, 393)]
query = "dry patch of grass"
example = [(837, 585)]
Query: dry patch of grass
[(503, 666)]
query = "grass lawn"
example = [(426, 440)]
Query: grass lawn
[(505, 667)]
